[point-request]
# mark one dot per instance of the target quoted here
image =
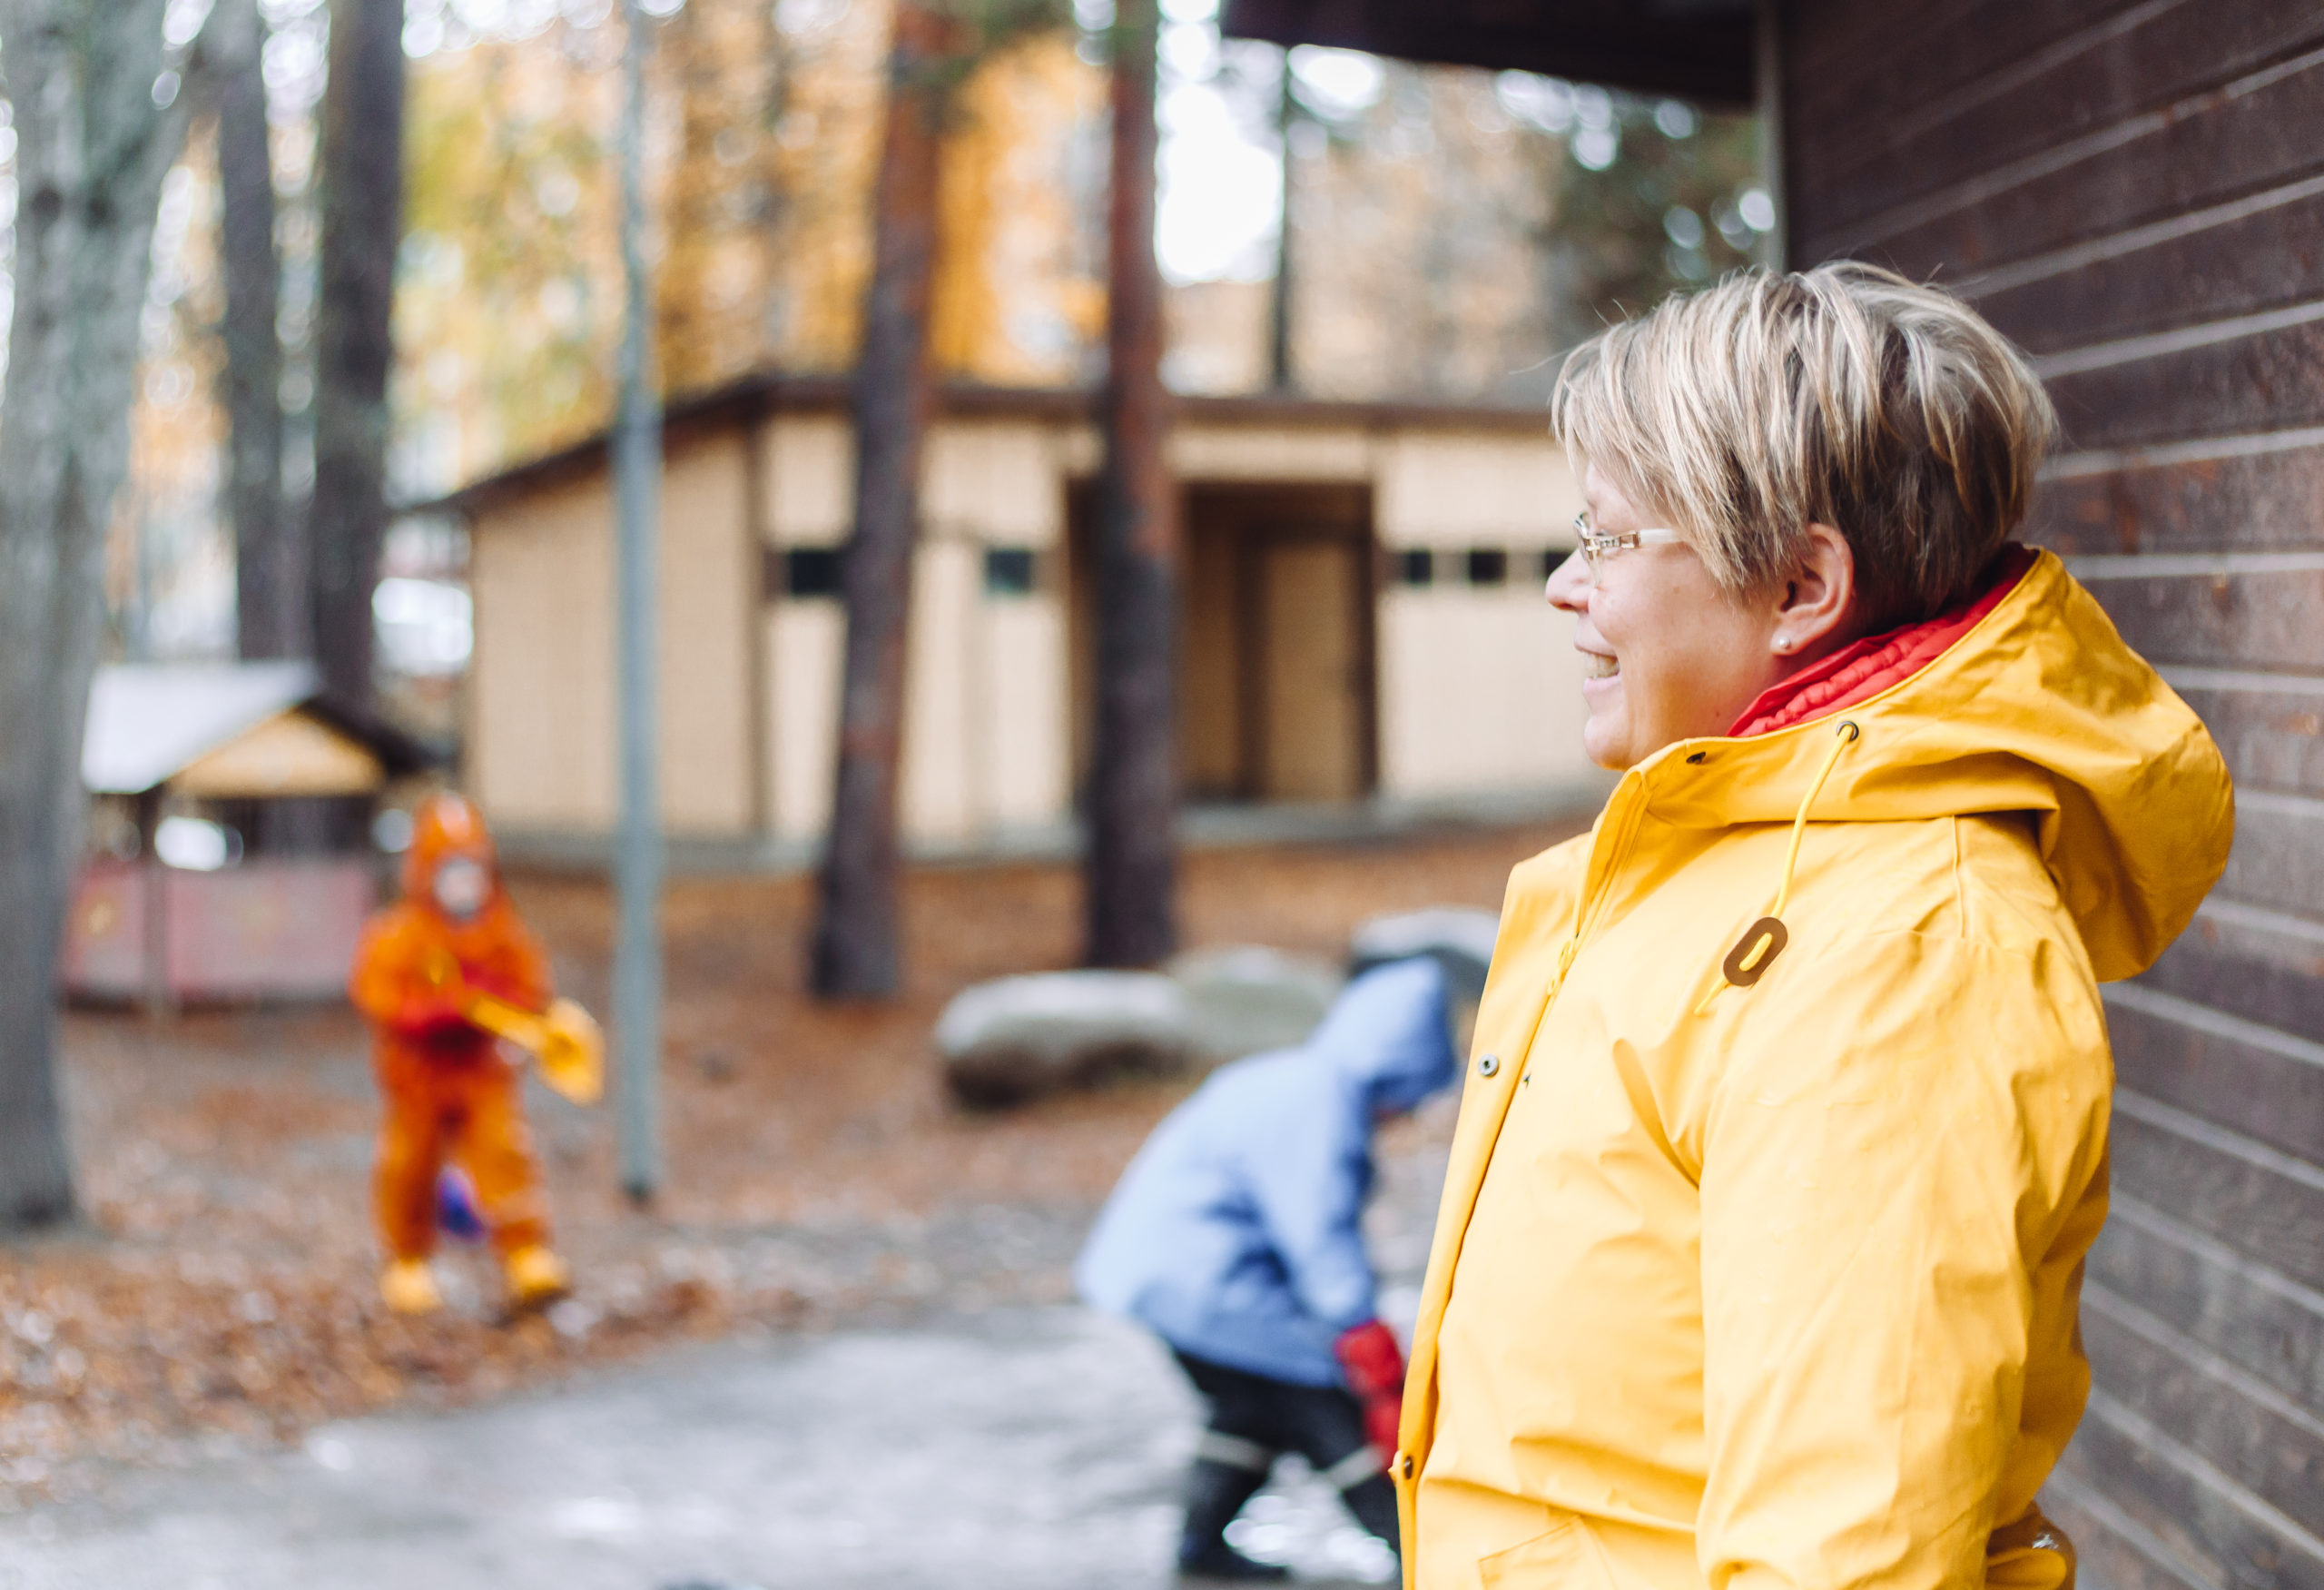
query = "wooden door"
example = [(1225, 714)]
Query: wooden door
[(1275, 690), (1310, 656), (1211, 692)]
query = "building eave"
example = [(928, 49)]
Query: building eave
[(691, 418), (1698, 49)]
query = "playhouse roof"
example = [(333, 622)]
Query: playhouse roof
[(233, 730)]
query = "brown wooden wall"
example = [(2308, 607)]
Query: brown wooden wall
[(2135, 192)]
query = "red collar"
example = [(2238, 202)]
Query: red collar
[(1864, 668)]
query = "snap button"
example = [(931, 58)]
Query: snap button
[(1487, 1064), (1404, 1464)]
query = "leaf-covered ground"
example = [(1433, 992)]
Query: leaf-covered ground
[(220, 1289)]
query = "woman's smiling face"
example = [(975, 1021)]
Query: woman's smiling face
[(1666, 654)]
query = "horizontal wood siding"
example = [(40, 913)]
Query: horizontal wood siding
[(2255, 493), (2135, 191), (2233, 138), (2270, 729), (2231, 1422), (2254, 1317), (2027, 79)]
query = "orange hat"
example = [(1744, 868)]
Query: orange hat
[(442, 827)]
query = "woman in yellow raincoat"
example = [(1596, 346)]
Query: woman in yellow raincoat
[(1784, 1127)]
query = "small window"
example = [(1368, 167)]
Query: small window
[(1550, 558), (1488, 566), (1009, 571), (810, 572), (1414, 566)]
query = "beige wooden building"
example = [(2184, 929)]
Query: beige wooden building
[(1363, 620)]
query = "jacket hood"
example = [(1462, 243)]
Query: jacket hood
[(444, 826), (2040, 708), (1390, 1034)]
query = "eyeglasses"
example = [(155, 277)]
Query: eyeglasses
[(1596, 546)]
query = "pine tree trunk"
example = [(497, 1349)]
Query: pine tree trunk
[(91, 151), (361, 178), (270, 577), (1132, 870), (855, 945)]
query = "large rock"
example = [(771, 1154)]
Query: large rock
[(1016, 1038), (1246, 998), (1460, 938)]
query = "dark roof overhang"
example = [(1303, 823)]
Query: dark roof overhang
[(400, 753), (1699, 50)]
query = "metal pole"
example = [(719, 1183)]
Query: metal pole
[(1279, 297), (638, 862), (1767, 86)]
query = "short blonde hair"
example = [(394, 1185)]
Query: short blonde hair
[(1845, 395)]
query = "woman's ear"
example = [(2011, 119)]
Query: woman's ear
[(1816, 609)]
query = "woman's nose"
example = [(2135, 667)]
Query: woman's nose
[(1569, 586)]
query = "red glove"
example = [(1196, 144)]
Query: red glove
[(1374, 1366)]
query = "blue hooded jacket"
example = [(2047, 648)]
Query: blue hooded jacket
[(1234, 1235)]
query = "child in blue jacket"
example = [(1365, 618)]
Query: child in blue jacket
[(1234, 1236)]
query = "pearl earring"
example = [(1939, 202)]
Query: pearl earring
[(1783, 642)]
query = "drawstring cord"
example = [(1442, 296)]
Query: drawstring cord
[(1845, 737), (1566, 953), (1764, 940)]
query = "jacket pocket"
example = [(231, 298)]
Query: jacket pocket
[(1565, 1557)]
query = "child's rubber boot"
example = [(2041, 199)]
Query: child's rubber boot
[(1215, 1493), (537, 1276), (409, 1287)]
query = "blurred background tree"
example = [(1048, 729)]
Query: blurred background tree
[(1647, 197), (1417, 204), (856, 952), (98, 121), (725, 68), (1454, 231), (762, 151), (938, 48), (361, 182), (1130, 867), (269, 561), (507, 305)]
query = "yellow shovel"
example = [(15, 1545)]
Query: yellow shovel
[(565, 1041)]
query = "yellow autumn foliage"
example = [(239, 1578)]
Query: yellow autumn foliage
[(761, 152)]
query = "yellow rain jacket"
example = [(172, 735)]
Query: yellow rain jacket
[(1775, 1285)]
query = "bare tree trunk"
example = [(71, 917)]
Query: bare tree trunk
[(269, 556), (361, 177), (1132, 876), (92, 150), (270, 576), (855, 946)]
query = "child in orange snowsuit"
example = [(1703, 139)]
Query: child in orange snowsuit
[(447, 1090)]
